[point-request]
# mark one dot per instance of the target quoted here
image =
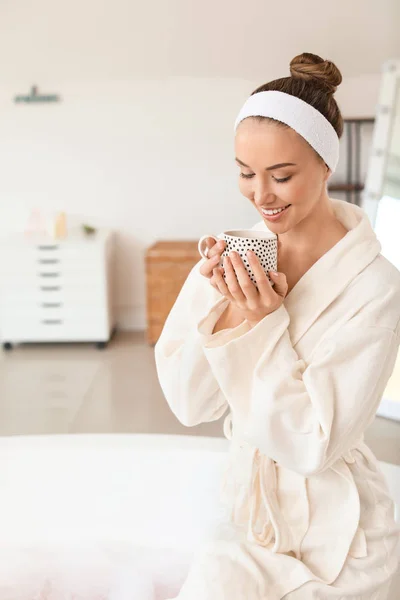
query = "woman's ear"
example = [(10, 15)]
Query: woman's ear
[(328, 173)]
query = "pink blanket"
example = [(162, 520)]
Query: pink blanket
[(112, 572)]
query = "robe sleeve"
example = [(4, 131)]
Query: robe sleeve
[(184, 373), (303, 416)]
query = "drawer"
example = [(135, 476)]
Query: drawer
[(83, 267), (52, 312), (25, 330), (66, 251), (61, 248), (51, 295), (45, 278), (27, 260)]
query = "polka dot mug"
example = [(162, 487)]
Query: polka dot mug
[(264, 244)]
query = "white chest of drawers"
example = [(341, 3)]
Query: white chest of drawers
[(56, 290)]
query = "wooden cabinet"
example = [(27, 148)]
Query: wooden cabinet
[(168, 264)]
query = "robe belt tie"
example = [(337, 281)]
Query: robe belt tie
[(255, 503)]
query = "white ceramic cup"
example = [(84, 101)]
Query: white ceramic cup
[(264, 244)]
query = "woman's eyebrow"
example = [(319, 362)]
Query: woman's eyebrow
[(278, 166)]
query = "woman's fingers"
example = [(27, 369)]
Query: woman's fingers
[(214, 257), (220, 283), (244, 289), (263, 284), (214, 277), (214, 247), (207, 267)]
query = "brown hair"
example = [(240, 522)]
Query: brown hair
[(313, 80)]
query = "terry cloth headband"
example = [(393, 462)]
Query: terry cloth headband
[(300, 116)]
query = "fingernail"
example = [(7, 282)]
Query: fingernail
[(274, 273)]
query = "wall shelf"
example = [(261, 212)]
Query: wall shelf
[(353, 186), (346, 187)]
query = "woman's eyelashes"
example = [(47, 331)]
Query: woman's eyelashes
[(245, 176)]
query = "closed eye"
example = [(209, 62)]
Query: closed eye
[(277, 180)]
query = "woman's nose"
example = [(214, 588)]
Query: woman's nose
[(263, 197), (262, 193)]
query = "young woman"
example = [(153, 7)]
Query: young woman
[(301, 366)]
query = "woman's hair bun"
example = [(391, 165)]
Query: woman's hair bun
[(315, 70)]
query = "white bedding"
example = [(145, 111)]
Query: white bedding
[(106, 517)]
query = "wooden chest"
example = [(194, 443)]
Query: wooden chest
[(168, 264)]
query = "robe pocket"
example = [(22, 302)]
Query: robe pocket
[(358, 547)]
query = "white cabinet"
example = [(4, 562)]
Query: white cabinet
[(56, 290)]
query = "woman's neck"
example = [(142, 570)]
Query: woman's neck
[(316, 234)]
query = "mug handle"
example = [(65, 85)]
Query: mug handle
[(204, 251)]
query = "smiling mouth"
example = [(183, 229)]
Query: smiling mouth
[(274, 211)]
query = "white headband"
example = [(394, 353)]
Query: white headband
[(300, 116)]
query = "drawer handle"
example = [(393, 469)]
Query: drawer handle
[(48, 261), (52, 321), (48, 247), (49, 274), (51, 304), (50, 288)]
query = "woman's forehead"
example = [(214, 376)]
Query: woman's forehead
[(264, 130), (256, 139)]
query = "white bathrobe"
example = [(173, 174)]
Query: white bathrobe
[(310, 513)]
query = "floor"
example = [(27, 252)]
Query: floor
[(75, 388)]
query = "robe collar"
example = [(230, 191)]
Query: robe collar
[(334, 271)]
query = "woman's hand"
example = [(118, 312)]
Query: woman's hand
[(215, 249), (252, 304)]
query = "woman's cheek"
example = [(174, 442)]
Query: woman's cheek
[(244, 186), (286, 193), (296, 191)]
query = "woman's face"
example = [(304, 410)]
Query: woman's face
[(259, 148)]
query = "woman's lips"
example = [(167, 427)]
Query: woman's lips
[(277, 216)]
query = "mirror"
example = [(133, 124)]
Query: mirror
[(381, 199)]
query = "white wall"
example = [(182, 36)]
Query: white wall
[(143, 139)]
